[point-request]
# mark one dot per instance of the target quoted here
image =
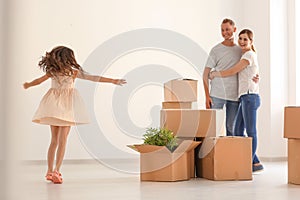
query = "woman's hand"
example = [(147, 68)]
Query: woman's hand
[(255, 78), (212, 75)]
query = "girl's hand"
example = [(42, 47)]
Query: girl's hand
[(119, 81), (26, 85)]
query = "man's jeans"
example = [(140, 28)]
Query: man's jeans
[(246, 119), (231, 111)]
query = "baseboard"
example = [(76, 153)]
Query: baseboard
[(127, 160), (273, 159), (82, 161)]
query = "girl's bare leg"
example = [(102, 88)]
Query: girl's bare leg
[(63, 132), (52, 147)]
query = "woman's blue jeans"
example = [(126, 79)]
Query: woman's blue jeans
[(246, 119)]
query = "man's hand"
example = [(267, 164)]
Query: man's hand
[(208, 102)]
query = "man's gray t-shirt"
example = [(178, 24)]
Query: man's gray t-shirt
[(220, 58)]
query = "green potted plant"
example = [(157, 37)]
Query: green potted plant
[(162, 157), (161, 137)]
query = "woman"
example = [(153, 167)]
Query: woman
[(249, 97)]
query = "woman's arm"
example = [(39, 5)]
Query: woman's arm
[(242, 64), (36, 81), (96, 78)]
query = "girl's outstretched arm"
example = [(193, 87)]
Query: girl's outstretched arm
[(36, 81), (96, 78), (242, 64)]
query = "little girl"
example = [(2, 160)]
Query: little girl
[(62, 106)]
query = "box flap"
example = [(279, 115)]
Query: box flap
[(145, 148), (186, 145)]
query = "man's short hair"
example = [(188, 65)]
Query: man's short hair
[(230, 21)]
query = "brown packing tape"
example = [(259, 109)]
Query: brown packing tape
[(176, 105)]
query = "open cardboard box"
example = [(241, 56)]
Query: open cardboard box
[(157, 163)]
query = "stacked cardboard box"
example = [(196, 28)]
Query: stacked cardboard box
[(190, 123), (207, 126), (179, 94), (225, 158), (158, 163), (292, 132), (186, 122)]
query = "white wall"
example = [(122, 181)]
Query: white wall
[(259, 22), (279, 74), (3, 84), (2, 27), (85, 25), (273, 27)]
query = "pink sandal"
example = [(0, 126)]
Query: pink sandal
[(49, 176), (57, 178)]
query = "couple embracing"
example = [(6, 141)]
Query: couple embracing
[(232, 72)]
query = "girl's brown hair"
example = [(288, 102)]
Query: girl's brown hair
[(59, 61), (250, 35)]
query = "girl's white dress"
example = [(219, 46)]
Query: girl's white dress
[(62, 105)]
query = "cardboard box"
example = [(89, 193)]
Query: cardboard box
[(157, 163), (183, 90), (176, 105), (194, 123), (225, 158), (294, 161), (292, 122)]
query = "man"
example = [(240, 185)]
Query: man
[(223, 91)]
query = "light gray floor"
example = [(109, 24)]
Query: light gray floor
[(91, 180)]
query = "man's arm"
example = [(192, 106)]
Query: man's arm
[(208, 100)]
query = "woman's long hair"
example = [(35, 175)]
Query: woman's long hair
[(59, 61), (250, 35)]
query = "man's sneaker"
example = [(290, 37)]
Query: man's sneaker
[(257, 167)]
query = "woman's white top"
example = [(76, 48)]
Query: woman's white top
[(246, 84)]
